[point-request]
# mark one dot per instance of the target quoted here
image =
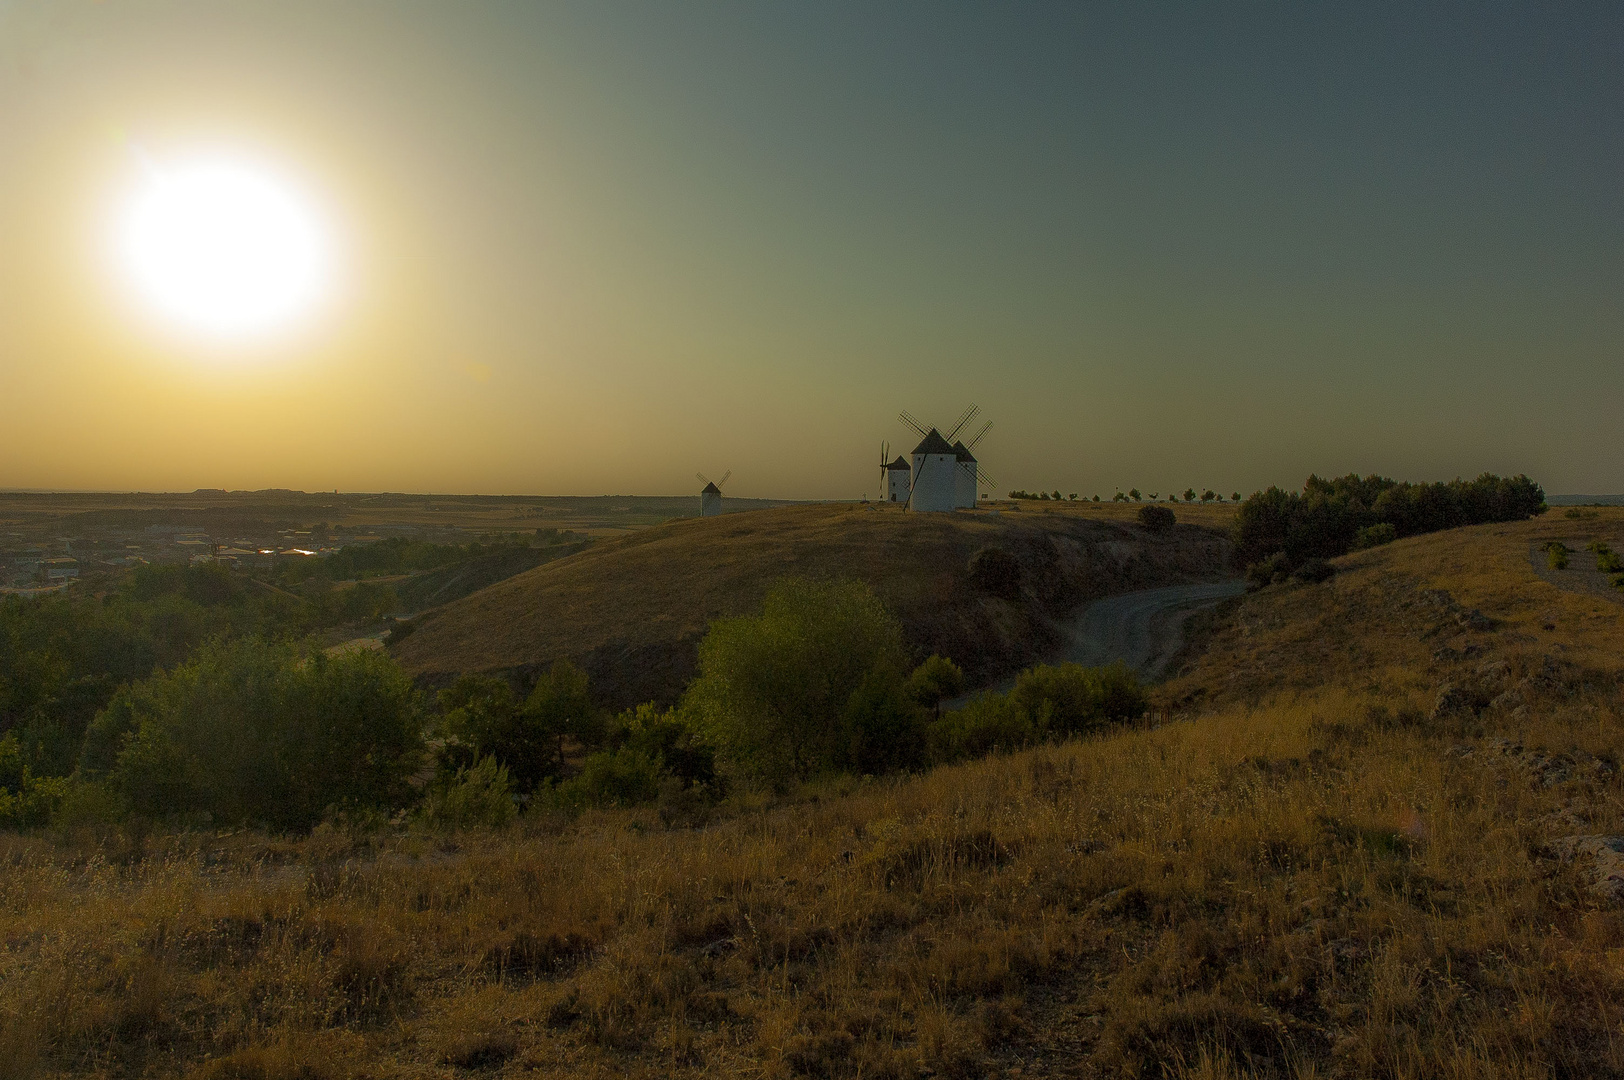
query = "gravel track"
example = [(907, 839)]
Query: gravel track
[(1144, 630)]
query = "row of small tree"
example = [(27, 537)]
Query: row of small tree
[(1131, 495)]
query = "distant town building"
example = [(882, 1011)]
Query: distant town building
[(61, 569)]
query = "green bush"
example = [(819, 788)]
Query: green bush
[(473, 797), (883, 729), (261, 733), (1314, 570), (26, 801), (773, 690), (986, 725), (1069, 699), (624, 777), (1556, 555), (1375, 535), (937, 678), (1157, 519), (484, 718), (670, 739)]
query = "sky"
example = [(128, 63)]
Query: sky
[(597, 247)]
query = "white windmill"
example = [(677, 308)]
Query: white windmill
[(894, 479), (945, 475), (710, 496)]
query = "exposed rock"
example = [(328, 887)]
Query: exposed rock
[(1606, 857), (1508, 700), (1451, 700)]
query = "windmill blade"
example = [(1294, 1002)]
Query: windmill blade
[(885, 453), (723, 480), (702, 478), (968, 415), (985, 479), (984, 429), (907, 418)]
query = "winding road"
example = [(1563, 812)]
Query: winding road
[(1144, 630)]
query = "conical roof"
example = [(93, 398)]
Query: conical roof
[(962, 452), (710, 489), (900, 463), (933, 443)]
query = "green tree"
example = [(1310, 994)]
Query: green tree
[(1208, 495), (774, 689), (934, 680), (1189, 494), (261, 733), (1133, 493)]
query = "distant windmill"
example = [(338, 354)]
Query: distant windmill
[(894, 479), (945, 473), (710, 496)]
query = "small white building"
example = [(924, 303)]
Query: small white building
[(894, 480), (710, 500), (935, 474), (964, 476)]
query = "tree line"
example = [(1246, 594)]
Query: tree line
[(1279, 532)]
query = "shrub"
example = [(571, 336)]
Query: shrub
[(669, 738), (773, 689), (1157, 519), (1268, 571), (1374, 535), (477, 796), (259, 733), (986, 725), (883, 729), (1314, 570), (624, 777), (1607, 560), (994, 570), (1556, 555), (26, 801), (935, 679), (1069, 699)]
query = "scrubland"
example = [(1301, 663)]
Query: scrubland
[(1334, 848)]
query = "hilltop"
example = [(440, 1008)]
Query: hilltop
[(631, 610), (1374, 830)]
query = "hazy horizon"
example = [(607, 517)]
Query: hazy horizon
[(600, 247)]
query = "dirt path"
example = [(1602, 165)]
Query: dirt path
[(1142, 629)]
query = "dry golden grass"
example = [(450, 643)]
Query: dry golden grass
[(1303, 872), (631, 611)]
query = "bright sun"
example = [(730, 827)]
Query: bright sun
[(224, 247)]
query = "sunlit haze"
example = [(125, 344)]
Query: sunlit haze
[(595, 248), (222, 246)]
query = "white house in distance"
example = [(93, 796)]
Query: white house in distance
[(710, 500), (894, 480), (964, 476), (935, 474)]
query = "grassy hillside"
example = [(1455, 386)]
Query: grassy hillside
[(1358, 837), (631, 610)]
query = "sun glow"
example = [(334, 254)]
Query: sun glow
[(224, 247)]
